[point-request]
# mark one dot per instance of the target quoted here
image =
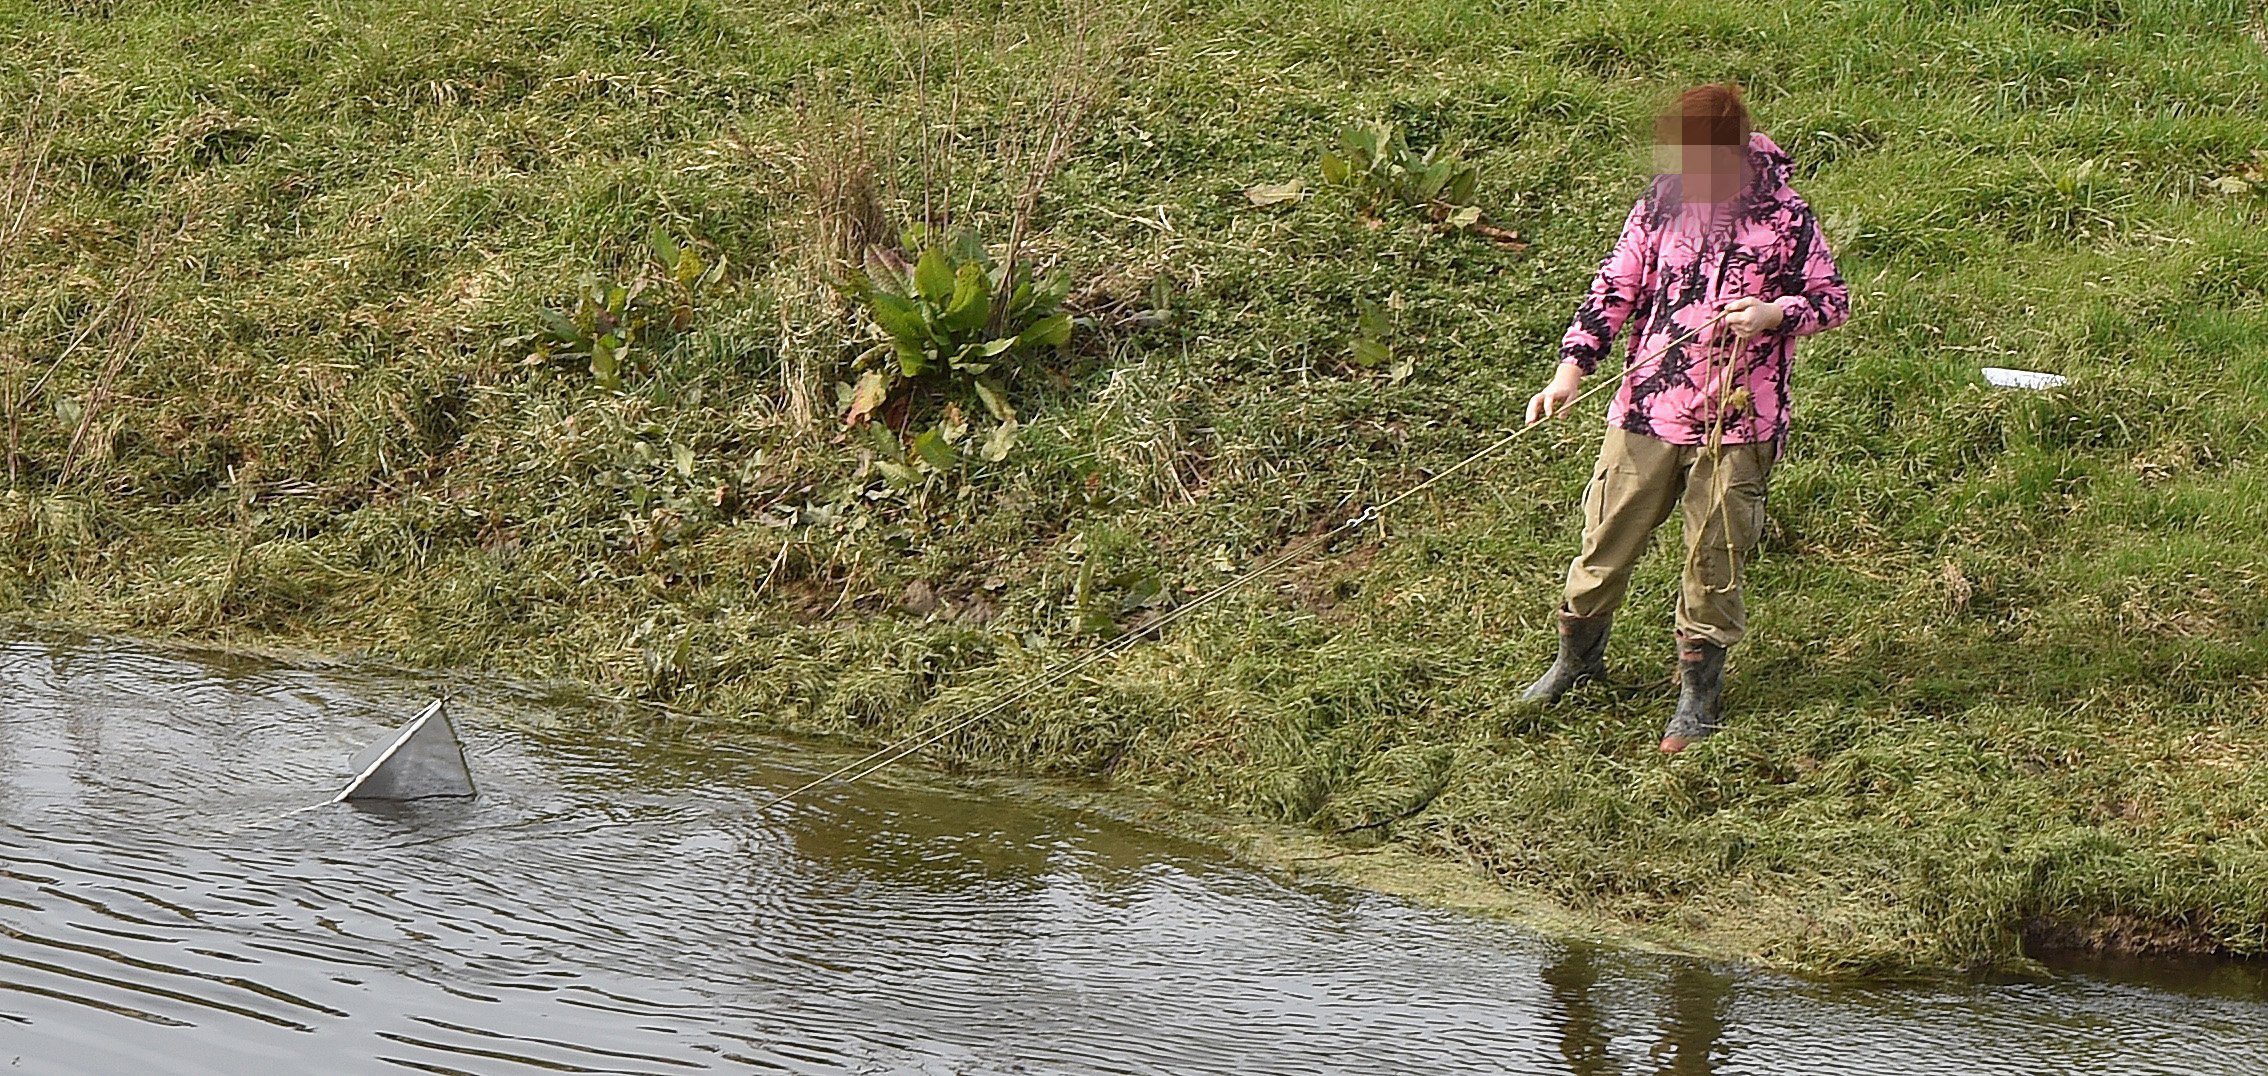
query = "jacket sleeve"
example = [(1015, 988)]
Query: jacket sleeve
[(1817, 299), (1615, 291)]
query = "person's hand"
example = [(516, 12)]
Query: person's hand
[(1565, 386), (1748, 315)]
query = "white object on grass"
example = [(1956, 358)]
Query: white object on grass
[(420, 759), (2023, 379)]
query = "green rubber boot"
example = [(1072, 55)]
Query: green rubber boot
[(1582, 656), (1700, 695)]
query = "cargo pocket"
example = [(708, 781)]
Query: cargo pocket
[(1749, 495), (1594, 499), (1754, 528)]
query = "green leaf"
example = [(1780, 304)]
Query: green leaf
[(665, 248), (913, 359), (933, 450), (682, 456), (560, 328), (1161, 293), (1463, 185), (1431, 179), (899, 474), (900, 318), (1336, 170), (885, 441), (1464, 218), (1138, 590), (971, 305), (1365, 143), (1372, 320), (969, 359), (606, 366), (1050, 331), (933, 276), (1370, 354), (1048, 296)]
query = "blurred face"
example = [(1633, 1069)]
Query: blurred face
[(1712, 171)]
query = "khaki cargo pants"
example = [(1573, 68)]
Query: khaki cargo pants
[(1638, 480)]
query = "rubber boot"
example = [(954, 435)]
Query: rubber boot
[(1582, 656), (1700, 691)]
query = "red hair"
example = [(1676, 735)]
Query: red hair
[(1706, 115)]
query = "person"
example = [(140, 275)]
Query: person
[(1722, 265)]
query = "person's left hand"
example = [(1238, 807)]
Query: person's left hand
[(1748, 315)]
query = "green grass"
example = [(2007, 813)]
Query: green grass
[(2005, 677)]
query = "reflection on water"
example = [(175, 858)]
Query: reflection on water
[(1582, 1034), (1692, 1022), (619, 904), (1697, 996)]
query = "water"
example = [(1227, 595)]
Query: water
[(619, 904)]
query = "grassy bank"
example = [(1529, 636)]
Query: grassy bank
[(267, 329)]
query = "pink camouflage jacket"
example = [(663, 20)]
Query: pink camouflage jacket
[(1672, 268)]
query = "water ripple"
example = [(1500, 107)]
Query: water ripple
[(617, 904)]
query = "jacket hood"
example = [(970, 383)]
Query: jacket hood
[(1769, 165)]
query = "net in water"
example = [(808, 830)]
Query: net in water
[(419, 760)]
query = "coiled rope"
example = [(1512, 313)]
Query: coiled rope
[(889, 754)]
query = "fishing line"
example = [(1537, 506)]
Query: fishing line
[(892, 753)]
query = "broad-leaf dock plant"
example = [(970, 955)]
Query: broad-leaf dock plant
[(612, 324), (953, 321), (1375, 163)]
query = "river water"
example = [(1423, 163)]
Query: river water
[(618, 903)]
